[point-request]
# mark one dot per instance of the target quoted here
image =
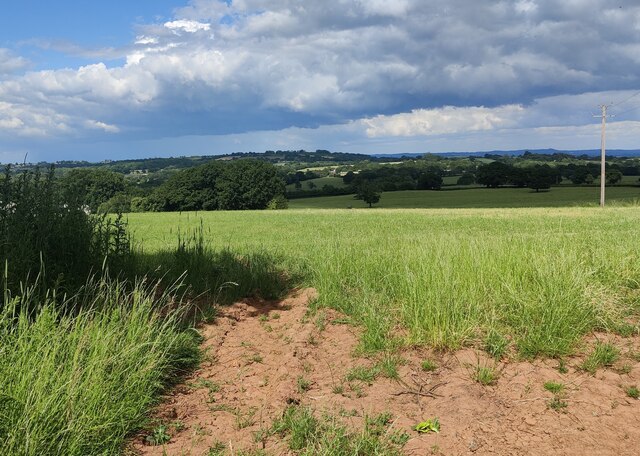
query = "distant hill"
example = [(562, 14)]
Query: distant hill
[(589, 152), (311, 158)]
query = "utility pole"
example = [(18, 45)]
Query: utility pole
[(603, 172)]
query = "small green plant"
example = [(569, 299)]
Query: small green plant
[(307, 434), (377, 424), (244, 420), (485, 375), (603, 355), (428, 365), (263, 318), (256, 358), (158, 436), (557, 403), (388, 366), (321, 321), (632, 392), (363, 373), (338, 389), (430, 425), (217, 449), (399, 438), (554, 387), (204, 383), (303, 384), (562, 366)]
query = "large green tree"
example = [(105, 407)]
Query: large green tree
[(95, 186), (236, 185)]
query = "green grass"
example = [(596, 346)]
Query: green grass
[(475, 198), (79, 385), (538, 278), (307, 434), (632, 392), (603, 355), (554, 387)]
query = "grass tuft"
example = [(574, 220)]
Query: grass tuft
[(603, 355)]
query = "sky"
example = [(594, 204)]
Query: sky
[(148, 78)]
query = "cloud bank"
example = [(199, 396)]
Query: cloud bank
[(374, 68)]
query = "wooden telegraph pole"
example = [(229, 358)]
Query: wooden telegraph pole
[(603, 135)]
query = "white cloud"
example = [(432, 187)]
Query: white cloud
[(446, 120), (187, 26)]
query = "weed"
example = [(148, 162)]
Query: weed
[(321, 321), (256, 358), (275, 316), (263, 318), (625, 369), (311, 340), (428, 365), (303, 384), (348, 413), (363, 373), (430, 425), (217, 449), (399, 438), (554, 387), (310, 435), (557, 403), (338, 389), (632, 392), (562, 366), (603, 354), (485, 375), (205, 383), (178, 426), (244, 420), (377, 424), (388, 366), (158, 436)]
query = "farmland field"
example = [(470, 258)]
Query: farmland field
[(477, 198), (540, 277)]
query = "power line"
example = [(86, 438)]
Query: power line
[(626, 99), (628, 110)]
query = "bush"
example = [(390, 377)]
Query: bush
[(279, 202), (46, 232)]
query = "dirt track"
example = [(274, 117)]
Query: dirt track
[(257, 351)]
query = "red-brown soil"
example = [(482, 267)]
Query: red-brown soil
[(257, 350)]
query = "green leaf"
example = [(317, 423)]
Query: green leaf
[(430, 425)]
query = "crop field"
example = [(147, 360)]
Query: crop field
[(539, 279), (477, 198)]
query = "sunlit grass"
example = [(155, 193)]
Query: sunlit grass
[(540, 278)]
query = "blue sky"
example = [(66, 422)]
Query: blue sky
[(100, 80)]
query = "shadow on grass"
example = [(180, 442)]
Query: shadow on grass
[(216, 277)]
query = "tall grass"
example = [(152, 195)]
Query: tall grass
[(538, 279), (45, 232), (77, 385)]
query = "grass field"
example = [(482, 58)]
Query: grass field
[(530, 280), (319, 183), (476, 198)]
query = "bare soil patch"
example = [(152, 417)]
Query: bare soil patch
[(263, 356)]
